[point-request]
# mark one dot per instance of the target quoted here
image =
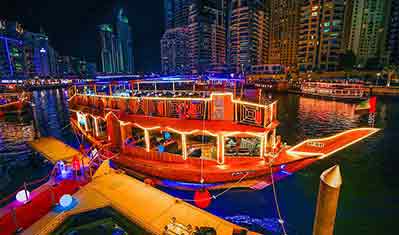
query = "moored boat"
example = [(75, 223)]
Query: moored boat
[(192, 136), (13, 102), (335, 89)]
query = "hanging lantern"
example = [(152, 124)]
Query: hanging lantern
[(202, 198), (75, 163)]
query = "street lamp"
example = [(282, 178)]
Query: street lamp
[(378, 78)]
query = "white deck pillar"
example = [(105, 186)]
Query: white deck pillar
[(147, 140), (184, 145)]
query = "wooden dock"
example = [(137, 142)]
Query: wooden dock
[(144, 205), (54, 150)]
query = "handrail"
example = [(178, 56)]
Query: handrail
[(28, 184)]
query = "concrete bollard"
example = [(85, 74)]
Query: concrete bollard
[(327, 201)]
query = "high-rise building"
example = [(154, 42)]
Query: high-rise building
[(393, 35), (284, 29), (53, 60), (321, 33), (116, 46), (12, 63), (248, 35), (65, 65), (107, 49), (175, 51), (124, 44), (37, 59), (207, 35), (176, 13), (367, 29), (91, 68)]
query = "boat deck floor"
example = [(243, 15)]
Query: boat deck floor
[(54, 150)]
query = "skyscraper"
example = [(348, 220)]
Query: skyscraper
[(393, 35), (176, 13), (248, 36), (207, 35), (368, 29), (12, 57), (124, 44), (175, 51), (106, 44), (284, 29), (116, 46), (53, 60), (320, 34), (37, 59), (12, 63)]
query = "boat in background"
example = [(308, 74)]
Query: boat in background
[(13, 103), (335, 89), (13, 100)]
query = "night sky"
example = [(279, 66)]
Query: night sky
[(71, 25)]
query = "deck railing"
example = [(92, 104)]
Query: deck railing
[(244, 112)]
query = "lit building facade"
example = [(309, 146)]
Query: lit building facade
[(37, 58), (284, 29), (107, 52), (64, 64), (393, 35), (321, 34), (53, 60), (12, 58), (175, 51), (12, 62), (368, 29), (176, 13), (248, 34), (124, 44), (115, 46), (207, 35)]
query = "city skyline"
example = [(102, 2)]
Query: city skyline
[(72, 29), (221, 36)]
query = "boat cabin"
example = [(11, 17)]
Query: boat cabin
[(176, 122)]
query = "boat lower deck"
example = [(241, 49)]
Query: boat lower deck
[(153, 164)]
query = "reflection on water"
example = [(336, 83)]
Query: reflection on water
[(52, 113), (17, 163)]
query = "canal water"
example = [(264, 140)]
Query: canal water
[(369, 196)]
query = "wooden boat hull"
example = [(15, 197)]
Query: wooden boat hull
[(236, 171)]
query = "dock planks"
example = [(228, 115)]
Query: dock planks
[(144, 205), (54, 150)]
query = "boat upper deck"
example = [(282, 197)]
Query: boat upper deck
[(219, 106)]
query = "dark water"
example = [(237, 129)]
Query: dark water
[(17, 164), (369, 196)]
